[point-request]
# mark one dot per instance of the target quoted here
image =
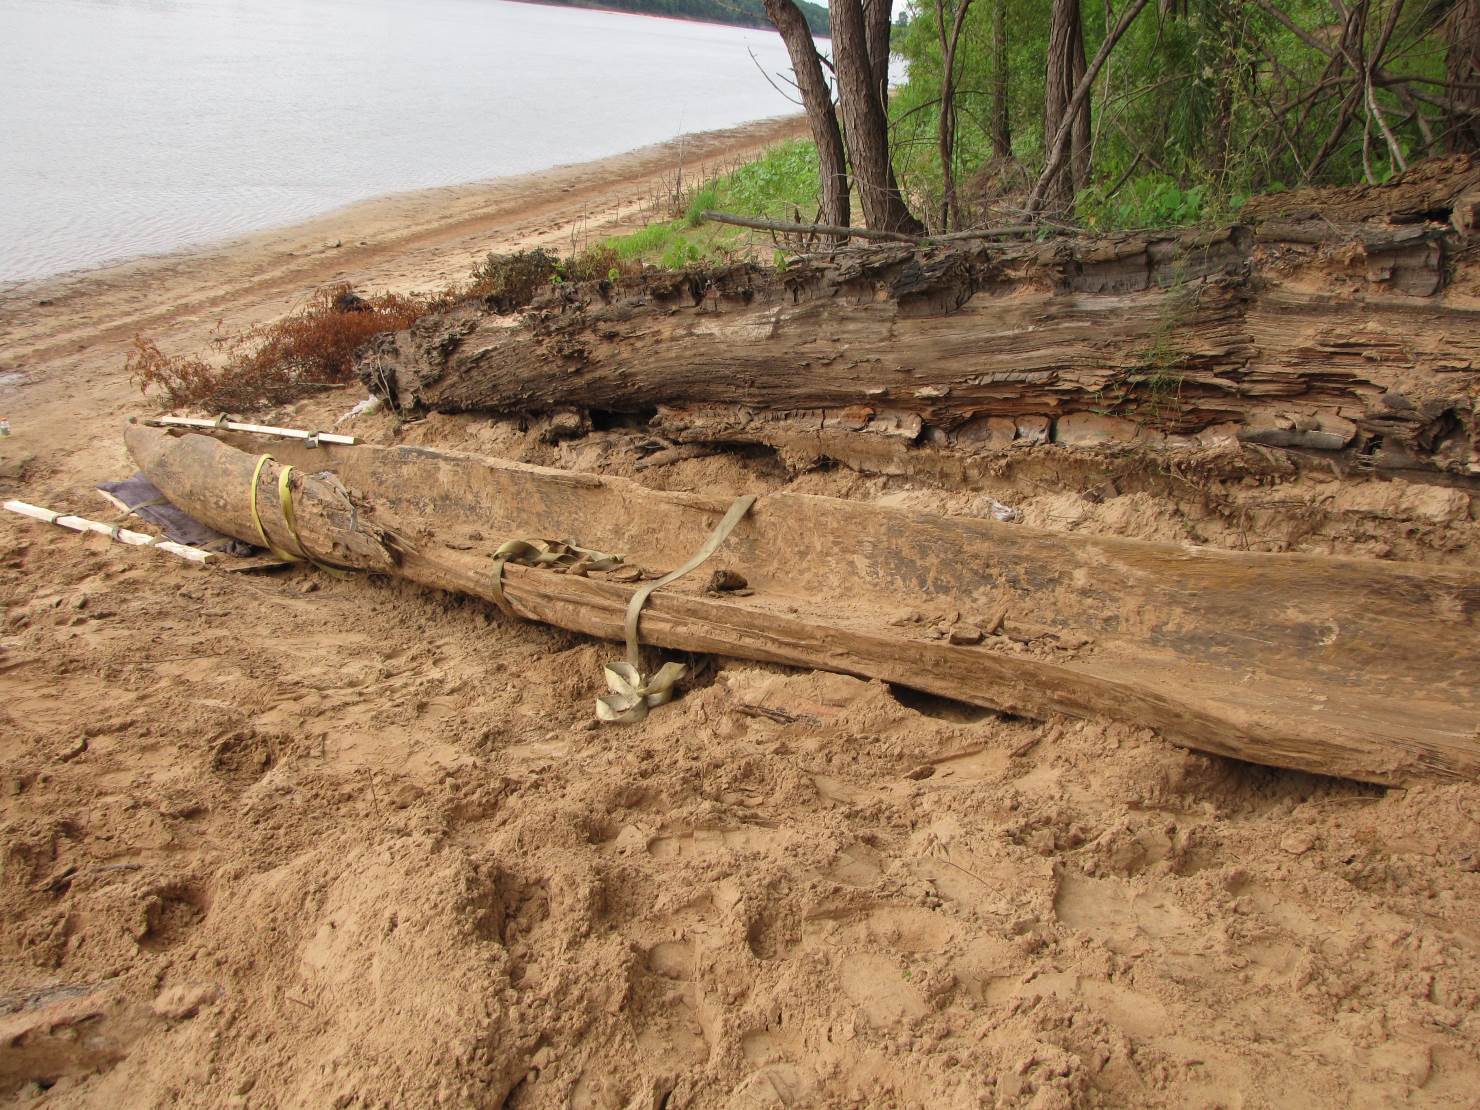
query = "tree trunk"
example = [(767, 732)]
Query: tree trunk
[(1079, 152), (1462, 76), (1058, 148), (1065, 45), (1219, 654), (974, 349), (821, 113), (1000, 118), (866, 125), (877, 16), (950, 37)]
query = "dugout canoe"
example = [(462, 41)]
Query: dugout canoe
[(1360, 668)]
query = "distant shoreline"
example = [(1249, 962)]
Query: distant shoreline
[(582, 5)]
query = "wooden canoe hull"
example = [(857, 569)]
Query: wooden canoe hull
[(1340, 666)]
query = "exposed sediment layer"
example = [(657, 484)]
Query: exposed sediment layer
[(1361, 341)]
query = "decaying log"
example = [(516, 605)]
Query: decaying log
[(1340, 666), (213, 483), (1430, 190), (1339, 338)]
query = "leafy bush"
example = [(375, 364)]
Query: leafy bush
[(270, 364), (599, 263), (509, 282), (785, 178), (1154, 200)]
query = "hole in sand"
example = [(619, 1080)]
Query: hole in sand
[(170, 914), (942, 709), (244, 756)]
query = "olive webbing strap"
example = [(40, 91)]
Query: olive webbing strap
[(738, 508), (285, 504), (632, 693)]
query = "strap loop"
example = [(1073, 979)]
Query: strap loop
[(738, 508), (560, 554), (632, 695)]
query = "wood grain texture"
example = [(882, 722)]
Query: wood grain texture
[(213, 483), (1341, 666), (1342, 339)]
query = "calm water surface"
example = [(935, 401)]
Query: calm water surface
[(138, 126)]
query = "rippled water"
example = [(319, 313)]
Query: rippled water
[(138, 126)]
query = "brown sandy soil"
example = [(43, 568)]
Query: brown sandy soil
[(298, 841)]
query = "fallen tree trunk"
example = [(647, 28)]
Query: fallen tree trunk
[(1343, 339), (1339, 666), (785, 227)]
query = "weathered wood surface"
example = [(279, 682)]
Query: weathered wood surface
[(1340, 666), (1340, 339), (213, 483), (1430, 190)]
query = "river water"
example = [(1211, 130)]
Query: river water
[(138, 126)]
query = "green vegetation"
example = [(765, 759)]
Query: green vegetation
[(1200, 105), (782, 185), (746, 13)]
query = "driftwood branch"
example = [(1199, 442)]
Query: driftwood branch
[(792, 228)]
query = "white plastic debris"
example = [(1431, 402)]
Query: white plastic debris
[(4, 428), (362, 408), (1005, 513)]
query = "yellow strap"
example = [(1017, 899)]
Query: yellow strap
[(560, 554), (632, 692), (285, 503), (738, 508), (277, 551)]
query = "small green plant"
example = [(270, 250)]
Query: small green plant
[(680, 253), (705, 199), (1154, 200), (1159, 384)]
